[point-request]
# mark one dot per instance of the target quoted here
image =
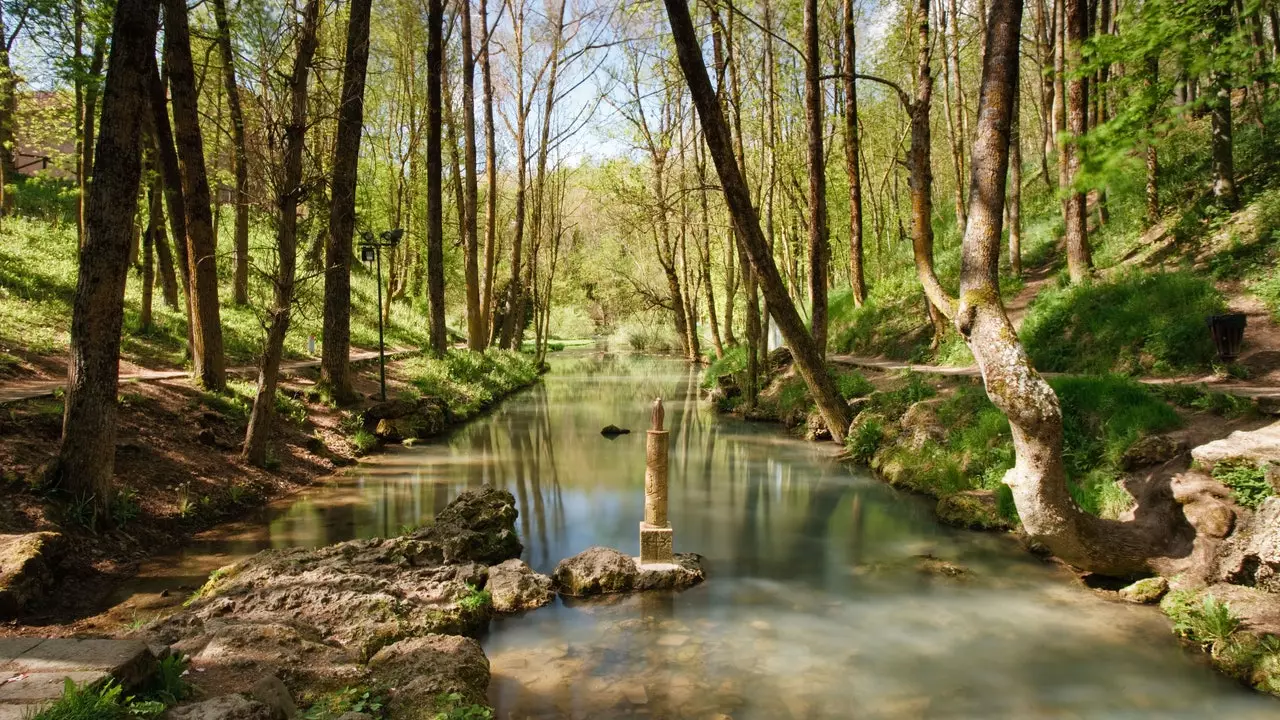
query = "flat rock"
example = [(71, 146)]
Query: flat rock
[(128, 661), (223, 707), (515, 587), (1151, 450), (360, 595), (26, 569), (685, 571), (1261, 445), (424, 669)]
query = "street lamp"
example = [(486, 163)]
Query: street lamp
[(371, 251)]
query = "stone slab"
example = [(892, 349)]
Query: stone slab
[(12, 648), (41, 688), (1261, 445)]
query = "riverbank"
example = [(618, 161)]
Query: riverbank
[(178, 469), (1128, 446)]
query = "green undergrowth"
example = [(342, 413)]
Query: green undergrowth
[(469, 381), (1132, 323), (370, 700), (109, 701), (1211, 625), (38, 267), (972, 447), (1247, 480)]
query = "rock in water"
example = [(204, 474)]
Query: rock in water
[(515, 587), (425, 670), (347, 601), (613, 431), (602, 570), (1145, 591), (596, 571)]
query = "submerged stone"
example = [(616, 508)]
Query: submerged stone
[(602, 571), (613, 431)]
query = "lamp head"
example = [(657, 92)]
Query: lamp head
[(368, 253), (392, 237)]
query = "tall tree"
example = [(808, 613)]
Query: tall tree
[(491, 181), (240, 154), (1074, 213), (819, 243), (1220, 129), (435, 186), (852, 153), (86, 456), (206, 323), (477, 335), (288, 194), (715, 130), (336, 343)]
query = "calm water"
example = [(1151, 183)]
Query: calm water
[(815, 607)]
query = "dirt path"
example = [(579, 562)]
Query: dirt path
[(28, 389), (1253, 388)]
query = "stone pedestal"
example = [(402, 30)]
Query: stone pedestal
[(655, 544)]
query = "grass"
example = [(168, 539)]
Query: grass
[(468, 381), (1247, 480), (371, 701), (1102, 418), (1206, 622), (453, 708), (38, 270), (1214, 627), (108, 701), (475, 599), (1133, 323)]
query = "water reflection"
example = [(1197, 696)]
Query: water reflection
[(816, 605)]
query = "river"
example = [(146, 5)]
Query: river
[(817, 603)]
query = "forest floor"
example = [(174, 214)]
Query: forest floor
[(178, 472)]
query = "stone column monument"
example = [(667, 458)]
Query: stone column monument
[(655, 531)]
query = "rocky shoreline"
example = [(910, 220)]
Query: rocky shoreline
[(399, 614)]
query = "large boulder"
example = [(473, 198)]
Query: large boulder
[(426, 671), (399, 420), (1151, 450), (596, 571), (1251, 556), (27, 564), (515, 587), (361, 595), (815, 428)]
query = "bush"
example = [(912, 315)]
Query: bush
[(468, 381), (1247, 480), (865, 440), (1130, 324), (853, 385)]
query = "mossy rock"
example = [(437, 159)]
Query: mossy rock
[(1146, 591), (972, 509)]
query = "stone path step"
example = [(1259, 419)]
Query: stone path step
[(33, 671)]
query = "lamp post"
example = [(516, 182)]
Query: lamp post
[(371, 251)]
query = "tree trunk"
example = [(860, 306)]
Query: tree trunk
[(206, 327), (852, 152), (262, 417), (704, 252), (171, 176), (477, 337), (435, 185), (1014, 203), (1038, 479), (148, 269), (86, 456), (1153, 162), (1223, 164), (954, 110), (84, 171), (819, 245), (335, 371), (808, 359), (240, 154), (491, 183), (1074, 214), (164, 257)]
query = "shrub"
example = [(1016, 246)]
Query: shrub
[(865, 440), (853, 384), (1247, 480), (1132, 323)]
